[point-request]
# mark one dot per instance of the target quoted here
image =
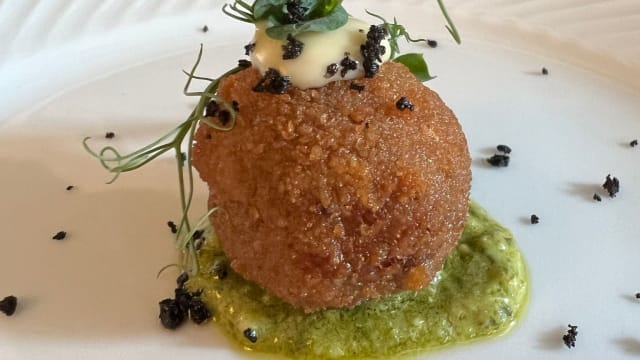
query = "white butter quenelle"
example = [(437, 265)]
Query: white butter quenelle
[(321, 49)]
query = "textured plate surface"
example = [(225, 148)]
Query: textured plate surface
[(70, 69)]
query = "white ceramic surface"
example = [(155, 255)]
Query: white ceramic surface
[(71, 68)]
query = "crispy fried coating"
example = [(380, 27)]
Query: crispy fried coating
[(335, 195)]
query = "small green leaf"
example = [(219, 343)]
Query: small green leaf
[(323, 8), (416, 64), (262, 9), (336, 19)]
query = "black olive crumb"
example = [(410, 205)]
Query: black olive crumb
[(183, 156), (244, 63), (197, 234), (171, 315), (535, 219), (597, 197), (357, 87), (404, 104), (347, 64), (545, 71), (183, 298), (172, 226), (292, 49), (570, 337), (211, 109), (505, 149), (70, 187), (295, 12), (372, 50), (273, 82), (110, 135), (8, 305), (60, 235), (249, 48), (432, 43), (198, 311), (633, 143), (332, 69), (638, 295), (612, 185), (251, 335), (205, 28), (182, 279), (224, 116), (499, 160)]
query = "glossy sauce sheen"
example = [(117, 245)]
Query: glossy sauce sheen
[(481, 292)]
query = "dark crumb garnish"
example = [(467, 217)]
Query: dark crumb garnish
[(244, 63), (638, 295), (570, 337), (183, 156), (432, 43), (273, 82), (332, 69), (224, 116), (211, 109), (219, 269), (205, 28), (612, 185), (70, 187), (198, 311), (295, 12), (174, 311), (372, 50), (8, 305), (235, 105), (597, 197), (633, 143), (499, 160), (545, 71), (292, 49), (505, 149), (182, 279), (172, 226), (404, 104), (358, 87), (347, 65), (248, 49), (110, 135), (535, 219), (250, 334), (171, 315), (60, 235), (198, 234)]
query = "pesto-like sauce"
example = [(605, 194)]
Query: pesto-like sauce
[(481, 292)]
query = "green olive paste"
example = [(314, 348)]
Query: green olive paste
[(481, 292)]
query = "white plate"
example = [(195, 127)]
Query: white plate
[(69, 69)]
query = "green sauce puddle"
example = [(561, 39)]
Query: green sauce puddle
[(481, 292)]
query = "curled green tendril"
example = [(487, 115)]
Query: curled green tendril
[(117, 163)]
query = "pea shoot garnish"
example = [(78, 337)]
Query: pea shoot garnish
[(116, 162), (283, 17)]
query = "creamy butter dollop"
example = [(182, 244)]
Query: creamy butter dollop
[(321, 49)]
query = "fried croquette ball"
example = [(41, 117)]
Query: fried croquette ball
[(335, 195)]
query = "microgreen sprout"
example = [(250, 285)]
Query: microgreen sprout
[(117, 163)]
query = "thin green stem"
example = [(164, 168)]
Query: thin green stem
[(451, 26)]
